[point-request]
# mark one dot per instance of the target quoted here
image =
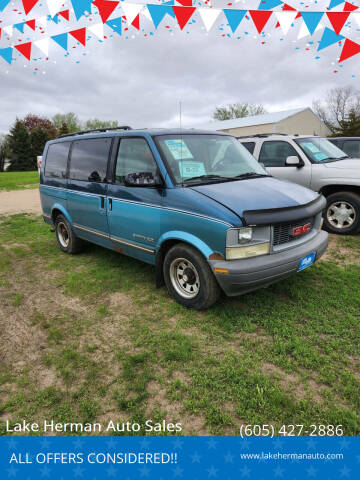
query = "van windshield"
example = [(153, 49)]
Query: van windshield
[(320, 150), (198, 159)]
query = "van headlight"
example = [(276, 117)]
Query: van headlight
[(246, 242)]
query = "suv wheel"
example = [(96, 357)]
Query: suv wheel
[(67, 240), (189, 279), (342, 213)]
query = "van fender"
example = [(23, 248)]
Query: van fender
[(58, 206)]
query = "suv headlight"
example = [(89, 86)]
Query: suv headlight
[(246, 242)]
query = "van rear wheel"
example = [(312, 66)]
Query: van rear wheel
[(66, 238), (342, 214), (189, 278)]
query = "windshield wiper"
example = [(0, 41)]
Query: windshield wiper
[(206, 177), (251, 175)]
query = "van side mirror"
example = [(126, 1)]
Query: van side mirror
[(142, 179), (293, 161)]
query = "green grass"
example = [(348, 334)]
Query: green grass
[(111, 346), (18, 180)]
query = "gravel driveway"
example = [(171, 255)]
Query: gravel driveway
[(20, 201)]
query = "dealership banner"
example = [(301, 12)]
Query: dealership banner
[(171, 457)]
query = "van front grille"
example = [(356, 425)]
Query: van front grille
[(287, 232)]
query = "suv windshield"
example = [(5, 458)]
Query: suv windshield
[(197, 159), (320, 150)]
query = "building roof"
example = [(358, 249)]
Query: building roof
[(274, 117)]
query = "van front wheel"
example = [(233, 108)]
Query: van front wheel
[(189, 279), (66, 238)]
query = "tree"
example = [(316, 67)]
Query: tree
[(96, 123), (349, 127), (64, 130), (32, 122), (336, 106), (19, 142), (38, 137), (4, 151), (238, 110), (70, 119)]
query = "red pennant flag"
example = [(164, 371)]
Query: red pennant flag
[(349, 49), (79, 35), (287, 7), (337, 20), (105, 7), (277, 25), (29, 5), (31, 24), (183, 15), (24, 49), (185, 3), (349, 7), (64, 14), (260, 18), (298, 15), (136, 22)]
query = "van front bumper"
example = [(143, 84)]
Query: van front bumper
[(250, 274)]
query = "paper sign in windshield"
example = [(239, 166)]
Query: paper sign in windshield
[(178, 149), (191, 169), (311, 147)]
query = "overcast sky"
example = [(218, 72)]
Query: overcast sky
[(140, 81)]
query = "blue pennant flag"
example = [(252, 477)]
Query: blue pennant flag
[(171, 2), (234, 17), (312, 20), (20, 26), (3, 4), (61, 39), (335, 3), (329, 38), (115, 24), (6, 54), (80, 7), (55, 18), (158, 12), (269, 4)]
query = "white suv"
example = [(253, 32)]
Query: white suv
[(316, 163)]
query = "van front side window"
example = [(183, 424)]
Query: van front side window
[(134, 157)]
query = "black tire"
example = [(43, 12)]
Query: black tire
[(184, 258), (349, 203), (66, 238)]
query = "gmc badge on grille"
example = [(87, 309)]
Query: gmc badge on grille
[(296, 231)]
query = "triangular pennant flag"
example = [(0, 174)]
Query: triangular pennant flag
[(43, 45), (9, 30), (131, 11), (304, 32), (349, 7), (312, 20), (234, 18), (329, 38), (6, 54), (29, 5), (54, 19), (105, 7), (65, 14), (19, 26), (337, 20), (285, 19), (269, 4), (98, 30), (42, 20), (24, 49), (3, 4), (260, 19), (185, 3), (287, 8), (209, 16), (158, 12), (54, 6), (61, 39), (136, 22), (115, 24), (31, 24), (335, 3), (80, 7), (356, 16), (80, 35), (183, 15), (350, 49)]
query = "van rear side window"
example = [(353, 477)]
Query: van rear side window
[(56, 160), (89, 158)]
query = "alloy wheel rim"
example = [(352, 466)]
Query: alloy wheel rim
[(341, 215), (184, 278)]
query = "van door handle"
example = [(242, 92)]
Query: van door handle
[(102, 200), (110, 203)]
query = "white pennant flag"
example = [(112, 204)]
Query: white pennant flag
[(42, 21), (356, 16), (146, 13), (54, 6), (209, 16), (286, 19), (43, 45), (9, 30), (304, 32), (97, 30), (131, 11)]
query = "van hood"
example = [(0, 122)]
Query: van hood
[(349, 164), (257, 194)]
